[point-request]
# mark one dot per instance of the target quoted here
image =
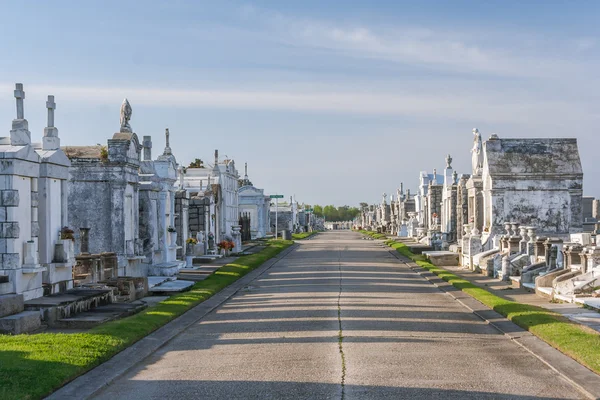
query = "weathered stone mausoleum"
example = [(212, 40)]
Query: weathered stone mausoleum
[(103, 197), (33, 208)]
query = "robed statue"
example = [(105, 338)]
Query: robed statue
[(476, 153), (125, 116)]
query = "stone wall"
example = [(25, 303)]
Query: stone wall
[(198, 214), (535, 182), (182, 220)]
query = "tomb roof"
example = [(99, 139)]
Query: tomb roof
[(532, 156), (123, 135), (439, 179), (82, 151)]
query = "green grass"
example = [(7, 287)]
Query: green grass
[(32, 366), (577, 341), (303, 235)]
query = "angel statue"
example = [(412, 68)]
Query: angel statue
[(476, 153), (125, 116)]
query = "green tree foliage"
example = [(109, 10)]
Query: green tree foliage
[(318, 210), (197, 163), (333, 213)]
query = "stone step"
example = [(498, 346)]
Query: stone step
[(100, 315), (11, 304), (173, 286), (192, 277), (66, 304), (23, 322)]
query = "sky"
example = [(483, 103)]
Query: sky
[(334, 102)]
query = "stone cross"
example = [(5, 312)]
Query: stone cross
[(20, 96), (51, 106), (167, 147)]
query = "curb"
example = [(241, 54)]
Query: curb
[(90, 383), (585, 380)]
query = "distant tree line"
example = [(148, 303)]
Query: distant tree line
[(333, 214)]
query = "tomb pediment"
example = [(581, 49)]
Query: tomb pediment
[(54, 157), (250, 191), (26, 153), (532, 157)]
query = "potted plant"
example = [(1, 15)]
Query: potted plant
[(190, 242), (222, 245), (67, 233), (172, 235)]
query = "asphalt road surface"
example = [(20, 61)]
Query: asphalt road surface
[(340, 318)]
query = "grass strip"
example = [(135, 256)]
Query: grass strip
[(577, 341), (303, 235), (32, 366)]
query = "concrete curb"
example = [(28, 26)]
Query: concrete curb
[(576, 374), (87, 385)]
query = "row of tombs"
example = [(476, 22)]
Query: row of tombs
[(85, 226), (520, 216)]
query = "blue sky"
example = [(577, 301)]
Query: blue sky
[(335, 102)]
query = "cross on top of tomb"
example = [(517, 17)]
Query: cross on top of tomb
[(51, 106), (20, 96), (167, 147)]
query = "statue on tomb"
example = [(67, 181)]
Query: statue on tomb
[(126, 116), (476, 153), (448, 161)]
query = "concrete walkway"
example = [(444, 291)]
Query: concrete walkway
[(340, 318)]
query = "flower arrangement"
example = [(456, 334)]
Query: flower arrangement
[(211, 236), (191, 240), (67, 233), (434, 215), (225, 244), (171, 229), (471, 219)]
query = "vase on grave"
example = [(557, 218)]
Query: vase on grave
[(172, 239), (30, 253)]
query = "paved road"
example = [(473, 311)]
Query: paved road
[(280, 338)]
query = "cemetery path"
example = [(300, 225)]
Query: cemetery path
[(340, 318)]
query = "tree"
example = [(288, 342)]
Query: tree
[(197, 163), (318, 210)]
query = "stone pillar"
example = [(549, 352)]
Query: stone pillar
[(84, 237), (147, 145), (524, 240), (531, 231)]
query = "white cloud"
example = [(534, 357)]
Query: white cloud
[(466, 51), (491, 107), (584, 44)]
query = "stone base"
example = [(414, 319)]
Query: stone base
[(442, 258), (164, 269), (11, 304), (6, 288), (23, 322)]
